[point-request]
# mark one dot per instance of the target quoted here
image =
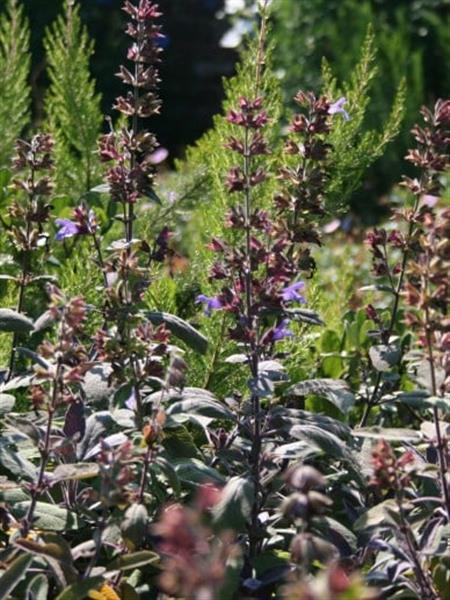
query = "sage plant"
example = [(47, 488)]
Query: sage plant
[(259, 268), (56, 388), (27, 217), (127, 270), (392, 251)]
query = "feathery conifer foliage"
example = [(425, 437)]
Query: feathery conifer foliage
[(72, 104), (209, 158), (355, 147), (14, 72)]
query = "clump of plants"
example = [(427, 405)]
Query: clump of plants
[(122, 476)]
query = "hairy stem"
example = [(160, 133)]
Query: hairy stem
[(147, 460), (253, 359)]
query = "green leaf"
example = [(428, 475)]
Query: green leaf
[(45, 321), (273, 370), (179, 443), (168, 471), (153, 196), (195, 472), (56, 551), (181, 329), (294, 450), (80, 589), (134, 525), (196, 401), (17, 465), (235, 505), (14, 322), (25, 426), (381, 514), (324, 440), (261, 386), (384, 357), (40, 360), (334, 390), (48, 516), (133, 561), (16, 571)]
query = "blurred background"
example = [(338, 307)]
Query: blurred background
[(203, 37)]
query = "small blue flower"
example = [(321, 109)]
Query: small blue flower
[(282, 331), (211, 303), (338, 107), (290, 293), (67, 229)]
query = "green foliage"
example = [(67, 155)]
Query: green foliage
[(14, 73), (72, 104), (412, 43), (355, 147), (211, 160)]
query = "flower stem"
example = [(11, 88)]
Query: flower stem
[(374, 398), (45, 455)]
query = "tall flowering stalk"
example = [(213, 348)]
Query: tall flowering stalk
[(132, 175), (28, 214), (427, 288), (431, 158), (259, 269), (130, 178)]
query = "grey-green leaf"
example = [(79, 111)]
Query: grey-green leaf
[(379, 515), (133, 561), (134, 524), (181, 329), (38, 588), (384, 357), (199, 404), (80, 589), (48, 516), (194, 471), (7, 402), (14, 322), (234, 508), (334, 390), (13, 574), (75, 471), (17, 465)]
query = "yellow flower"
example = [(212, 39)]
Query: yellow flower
[(105, 593)]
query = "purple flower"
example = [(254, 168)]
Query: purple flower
[(67, 229), (211, 303), (338, 107), (158, 156), (131, 403), (282, 331), (290, 293)]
